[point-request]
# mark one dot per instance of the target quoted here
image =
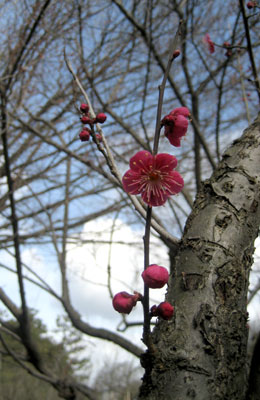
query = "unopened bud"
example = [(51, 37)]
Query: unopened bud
[(176, 53), (251, 4), (155, 276), (124, 302), (100, 118), (165, 310), (84, 108), (84, 135), (86, 120)]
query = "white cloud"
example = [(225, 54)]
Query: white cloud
[(88, 269)]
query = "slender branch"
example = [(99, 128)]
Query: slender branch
[(14, 220), (110, 255), (26, 42), (145, 301), (10, 305), (172, 84), (250, 49), (173, 47)]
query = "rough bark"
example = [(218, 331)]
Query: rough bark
[(253, 392), (201, 353)]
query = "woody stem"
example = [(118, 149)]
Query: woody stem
[(146, 239)]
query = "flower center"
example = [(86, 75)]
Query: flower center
[(154, 176)]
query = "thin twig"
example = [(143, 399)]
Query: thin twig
[(173, 47), (250, 49)]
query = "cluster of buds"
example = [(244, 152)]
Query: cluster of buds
[(176, 125), (87, 120), (155, 277)]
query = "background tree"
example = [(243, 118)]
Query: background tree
[(52, 184), (59, 357)]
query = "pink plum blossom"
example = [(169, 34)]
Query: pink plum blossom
[(176, 125), (153, 177)]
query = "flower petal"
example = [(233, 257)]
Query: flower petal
[(181, 124), (173, 183), (165, 162), (131, 182), (155, 199), (141, 161), (180, 111), (175, 141)]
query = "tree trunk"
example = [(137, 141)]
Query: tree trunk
[(201, 353)]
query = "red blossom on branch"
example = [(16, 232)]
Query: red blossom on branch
[(209, 43), (155, 276), (86, 120), (176, 125), (100, 118), (153, 177), (176, 53), (251, 4), (84, 108), (124, 302), (84, 135), (164, 310)]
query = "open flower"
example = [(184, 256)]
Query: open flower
[(155, 276), (124, 302), (153, 177), (176, 125)]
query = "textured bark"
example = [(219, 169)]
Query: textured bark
[(201, 353), (254, 377)]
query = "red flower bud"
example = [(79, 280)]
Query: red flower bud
[(84, 108), (226, 44), (165, 310), (84, 135), (123, 302), (184, 111), (207, 40), (251, 4), (86, 120), (228, 53), (168, 120), (155, 276), (176, 53), (99, 137), (153, 311), (176, 125), (100, 118)]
